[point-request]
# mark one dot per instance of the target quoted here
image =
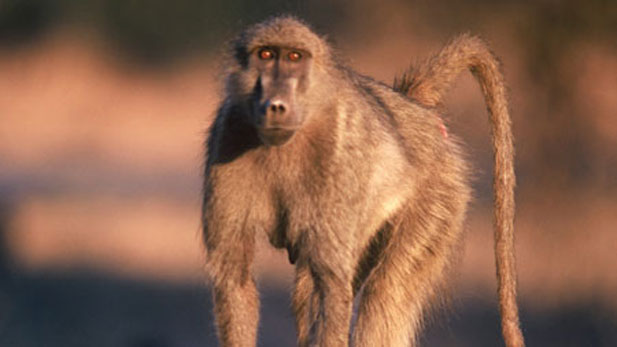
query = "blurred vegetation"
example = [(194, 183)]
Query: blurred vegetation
[(153, 31), (550, 37)]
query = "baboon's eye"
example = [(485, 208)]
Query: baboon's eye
[(266, 54), (294, 56)]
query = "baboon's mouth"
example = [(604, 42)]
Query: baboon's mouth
[(275, 136)]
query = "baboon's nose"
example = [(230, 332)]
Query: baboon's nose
[(277, 107), (277, 113)]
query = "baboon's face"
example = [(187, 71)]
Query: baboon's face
[(280, 84)]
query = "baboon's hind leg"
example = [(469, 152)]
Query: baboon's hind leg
[(412, 269)]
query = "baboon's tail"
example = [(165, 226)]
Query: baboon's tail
[(428, 84)]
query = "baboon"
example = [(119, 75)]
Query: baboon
[(359, 181)]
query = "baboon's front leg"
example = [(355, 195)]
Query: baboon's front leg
[(236, 308), (332, 277), (336, 304), (305, 303), (230, 250)]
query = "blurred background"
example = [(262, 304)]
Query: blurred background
[(104, 107)]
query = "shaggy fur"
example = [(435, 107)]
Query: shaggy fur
[(368, 196)]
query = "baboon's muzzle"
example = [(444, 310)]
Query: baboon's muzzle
[(278, 122), (277, 115)]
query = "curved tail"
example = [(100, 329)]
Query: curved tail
[(427, 84)]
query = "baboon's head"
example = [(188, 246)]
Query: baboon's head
[(274, 72)]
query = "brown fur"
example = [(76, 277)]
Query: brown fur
[(367, 195)]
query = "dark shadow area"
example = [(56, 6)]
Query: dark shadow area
[(84, 309), (476, 323), (25, 21), (231, 137)]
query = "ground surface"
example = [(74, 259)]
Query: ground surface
[(78, 309)]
